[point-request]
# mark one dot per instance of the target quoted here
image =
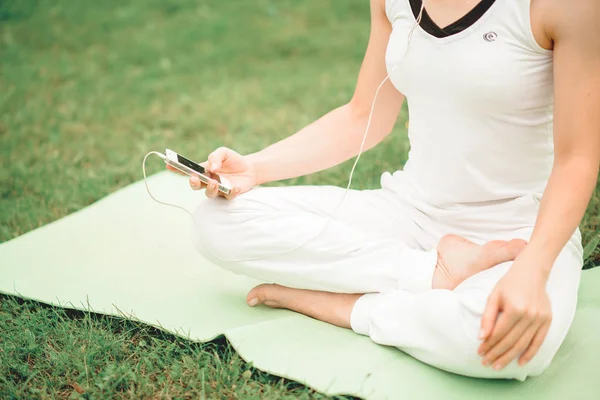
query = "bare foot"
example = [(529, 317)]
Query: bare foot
[(459, 258), (334, 308)]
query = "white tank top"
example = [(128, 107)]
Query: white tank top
[(480, 106)]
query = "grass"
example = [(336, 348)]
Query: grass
[(88, 87), (49, 352)]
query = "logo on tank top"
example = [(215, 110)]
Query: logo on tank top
[(490, 36)]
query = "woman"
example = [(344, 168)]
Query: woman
[(504, 107)]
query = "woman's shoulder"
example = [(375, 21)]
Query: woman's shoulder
[(395, 9)]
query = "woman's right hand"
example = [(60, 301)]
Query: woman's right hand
[(228, 164)]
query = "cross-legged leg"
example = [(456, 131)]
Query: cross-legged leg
[(374, 243), (283, 235), (439, 327)]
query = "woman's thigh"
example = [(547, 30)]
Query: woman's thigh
[(304, 237), (375, 212)]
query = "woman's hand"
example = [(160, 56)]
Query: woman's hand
[(517, 315), (227, 163)]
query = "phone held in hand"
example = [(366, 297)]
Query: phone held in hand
[(191, 168)]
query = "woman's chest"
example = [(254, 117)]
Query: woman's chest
[(491, 65)]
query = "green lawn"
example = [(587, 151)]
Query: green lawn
[(87, 88)]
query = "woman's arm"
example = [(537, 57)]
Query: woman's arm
[(337, 136), (576, 127), (521, 294)]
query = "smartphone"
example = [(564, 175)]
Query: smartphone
[(191, 168)]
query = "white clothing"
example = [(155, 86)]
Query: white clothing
[(481, 153), (481, 112), (375, 244)]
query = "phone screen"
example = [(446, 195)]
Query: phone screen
[(197, 167)]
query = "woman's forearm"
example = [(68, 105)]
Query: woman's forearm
[(330, 140), (563, 205), (337, 136)]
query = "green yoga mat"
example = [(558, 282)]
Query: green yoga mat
[(126, 255)]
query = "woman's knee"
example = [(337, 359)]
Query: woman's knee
[(463, 359), (471, 365), (213, 226), (457, 350), (223, 228), (537, 365)]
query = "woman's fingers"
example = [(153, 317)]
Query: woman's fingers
[(504, 324), (196, 183), (212, 190), (488, 320), (517, 349), (216, 159), (233, 194), (535, 344), (508, 342), (173, 169)]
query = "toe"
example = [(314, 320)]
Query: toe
[(267, 294), (257, 295), (515, 247), (521, 243), (502, 251)]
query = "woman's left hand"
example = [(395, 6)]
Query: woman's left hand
[(517, 315)]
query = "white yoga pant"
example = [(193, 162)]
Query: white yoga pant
[(382, 242)]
